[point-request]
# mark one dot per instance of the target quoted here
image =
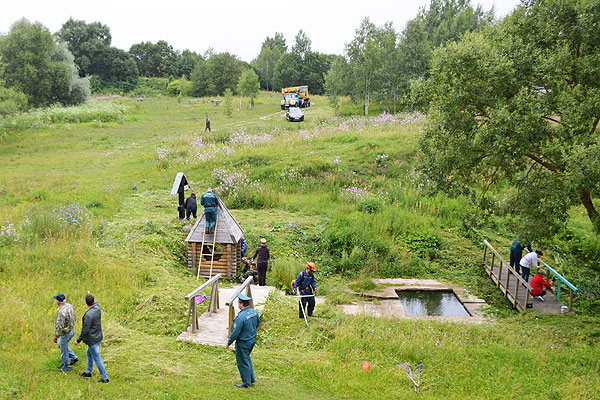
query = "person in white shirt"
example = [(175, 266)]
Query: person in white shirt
[(531, 259)]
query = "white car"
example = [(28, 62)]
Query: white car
[(294, 114)]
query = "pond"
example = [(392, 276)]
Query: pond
[(431, 303)]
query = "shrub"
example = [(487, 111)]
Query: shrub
[(151, 86), (179, 87), (11, 101), (284, 271)]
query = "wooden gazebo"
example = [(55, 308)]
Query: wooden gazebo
[(227, 255)]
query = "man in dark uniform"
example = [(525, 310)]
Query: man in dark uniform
[(207, 127), (243, 333), (210, 201), (191, 206), (516, 253), (304, 285)]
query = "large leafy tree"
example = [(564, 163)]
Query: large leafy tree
[(155, 59), (248, 85), (87, 42), (519, 105), (219, 72), (336, 82), (38, 68), (365, 55), (271, 50)]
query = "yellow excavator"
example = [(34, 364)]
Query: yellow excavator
[(295, 96)]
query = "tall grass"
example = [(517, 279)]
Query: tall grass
[(91, 111)]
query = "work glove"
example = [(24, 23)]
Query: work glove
[(55, 341)]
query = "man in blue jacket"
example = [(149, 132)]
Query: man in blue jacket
[(243, 333), (305, 284), (210, 201), (91, 334)]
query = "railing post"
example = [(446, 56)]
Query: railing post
[(484, 252), (558, 289), (231, 318), (517, 285), (500, 275), (571, 300), (508, 272), (493, 259), (214, 298), (194, 315)]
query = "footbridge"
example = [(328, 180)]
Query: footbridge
[(517, 290)]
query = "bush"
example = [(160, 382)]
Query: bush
[(151, 86), (11, 101), (179, 87), (284, 271), (103, 111), (370, 204)]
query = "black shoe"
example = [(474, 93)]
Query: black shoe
[(85, 375), (241, 385), (73, 362), (212, 230), (207, 231), (104, 380)]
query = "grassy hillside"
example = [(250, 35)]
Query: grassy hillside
[(341, 192)]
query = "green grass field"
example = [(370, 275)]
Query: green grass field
[(342, 192)]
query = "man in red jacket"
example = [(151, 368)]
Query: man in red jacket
[(538, 283)]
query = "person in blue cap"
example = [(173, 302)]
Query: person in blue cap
[(210, 201), (243, 333), (64, 330)]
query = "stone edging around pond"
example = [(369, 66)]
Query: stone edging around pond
[(390, 306)]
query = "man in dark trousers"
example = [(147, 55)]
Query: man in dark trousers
[(91, 334), (210, 201), (207, 121), (243, 333), (306, 285), (516, 253), (191, 206), (262, 263)]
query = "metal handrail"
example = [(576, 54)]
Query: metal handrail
[(560, 279)]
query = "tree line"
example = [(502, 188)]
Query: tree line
[(38, 68)]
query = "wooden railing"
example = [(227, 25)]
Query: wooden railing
[(213, 304), (503, 286), (231, 302)]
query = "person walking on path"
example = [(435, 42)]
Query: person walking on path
[(531, 259), (306, 285), (91, 334), (191, 206), (207, 121), (262, 263), (64, 330), (210, 201), (243, 333), (516, 253), (538, 283)]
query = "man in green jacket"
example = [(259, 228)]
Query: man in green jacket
[(243, 333), (210, 201), (64, 330)]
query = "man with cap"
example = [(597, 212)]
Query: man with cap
[(64, 330), (304, 285), (243, 333), (210, 201), (262, 263)]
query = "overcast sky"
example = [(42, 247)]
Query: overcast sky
[(236, 26)]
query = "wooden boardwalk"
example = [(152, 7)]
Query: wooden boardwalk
[(514, 287)]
